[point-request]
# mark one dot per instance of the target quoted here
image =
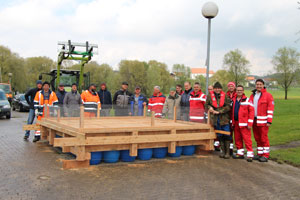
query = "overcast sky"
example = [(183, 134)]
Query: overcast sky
[(170, 31)]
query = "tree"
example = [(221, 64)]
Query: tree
[(286, 64), (222, 76), (182, 73), (158, 74), (237, 65)]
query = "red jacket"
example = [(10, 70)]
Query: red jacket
[(265, 107), (231, 95), (246, 112), (197, 106), (156, 104)]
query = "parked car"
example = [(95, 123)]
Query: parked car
[(5, 109), (19, 103)]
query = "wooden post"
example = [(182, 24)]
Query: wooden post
[(152, 118), (174, 114), (172, 145), (145, 110), (81, 119), (98, 111), (58, 114), (46, 111), (133, 147), (208, 117)]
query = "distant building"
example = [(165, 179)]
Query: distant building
[(250, 81), (200, 71)]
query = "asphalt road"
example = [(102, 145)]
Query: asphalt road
[(33, 171)]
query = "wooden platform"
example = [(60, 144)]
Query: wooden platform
[(81, 136)]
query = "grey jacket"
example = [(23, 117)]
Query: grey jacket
[(169, 106), (72, 101)]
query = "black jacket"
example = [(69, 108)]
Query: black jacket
[(121, 99), (60, 96), (185, 99), (29, 96), (105, 99)]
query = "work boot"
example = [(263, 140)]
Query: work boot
[(263, 159), (236, 156), (26, 136), (36, 138), (222, 145), (249, 159), (256, 157), (227, 149)]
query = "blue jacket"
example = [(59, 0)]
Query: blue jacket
[(141, 100), (105, 99), (60, 96)]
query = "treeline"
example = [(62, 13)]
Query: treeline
[(25, 71)]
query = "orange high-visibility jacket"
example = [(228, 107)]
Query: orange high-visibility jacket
[(90, 101), (40, 101)]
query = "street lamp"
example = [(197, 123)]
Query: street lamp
[(209, 11)]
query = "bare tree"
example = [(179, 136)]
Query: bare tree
[(286, 64)]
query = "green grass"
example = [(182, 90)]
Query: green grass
[(290, 156)]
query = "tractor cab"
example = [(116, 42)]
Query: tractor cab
[(67, 78)]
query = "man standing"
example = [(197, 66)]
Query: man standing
[(61, 93), (121, 101), (72, 102), (242, 121), (172, 101), (179, 89), (105, 99), (156, 102), (42, 98), (29, 96), (218, 104), (197, 104), (185, 102), (210, 88), (231, 93), (264, 109), (137, 103), (91, 101)]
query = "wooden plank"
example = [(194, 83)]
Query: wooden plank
[(222, 132), (81, 120), (175, 114), (51, 136), (152, 118), (172, 145), (31, 127), (133, 148), (71, 164), (132, 139), (98, 111), (145, 110)]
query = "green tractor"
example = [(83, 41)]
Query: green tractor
[(68, 77)]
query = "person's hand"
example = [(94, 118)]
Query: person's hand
[(268, 124), (130, 113), (216, 112), (211, 109)]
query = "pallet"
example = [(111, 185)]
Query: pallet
[(81, 136)]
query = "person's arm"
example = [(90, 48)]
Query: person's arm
[(208, 103), (115, 98), (28, 93), (165, 108), (226, 108), (250, 114), (270, 109)]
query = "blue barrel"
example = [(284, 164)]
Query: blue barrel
[(111, 156), (188, 150), (145, 154), (96, 158), (125, 157), (160, 152), (177, 153), (58, 136)]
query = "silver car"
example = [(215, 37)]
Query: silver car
[(5, 109)]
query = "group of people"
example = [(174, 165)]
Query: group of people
[(230, 112)]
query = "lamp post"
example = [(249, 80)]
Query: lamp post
[(209, 11)]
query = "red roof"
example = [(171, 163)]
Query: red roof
[(250, 78), (200, 71)]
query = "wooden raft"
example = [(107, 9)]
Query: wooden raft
[(81, 136)]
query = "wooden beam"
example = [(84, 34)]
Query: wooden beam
[(145, 110), (81, 120), (51, 136), (113, 140), (152, 118), (31, 127), (172, 145), (133, 148), (222, 132), (98, 111), (175, 114), (71, 164)]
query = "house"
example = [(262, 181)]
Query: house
[(250, 81), (200, 71)]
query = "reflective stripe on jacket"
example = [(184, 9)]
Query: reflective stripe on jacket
[(90, 101), (156, 104), (246, 112), (265, 107), (39, 101), (197, 106)]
